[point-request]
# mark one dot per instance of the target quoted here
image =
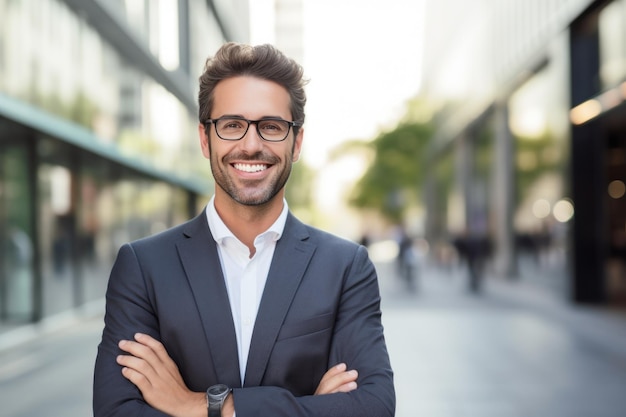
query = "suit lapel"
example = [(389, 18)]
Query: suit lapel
[(291, 257), (198, 254)]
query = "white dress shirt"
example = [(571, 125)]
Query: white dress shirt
[(245, 276)]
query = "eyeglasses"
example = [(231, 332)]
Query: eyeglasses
[(271, 129)]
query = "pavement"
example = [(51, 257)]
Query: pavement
[(510, 351)]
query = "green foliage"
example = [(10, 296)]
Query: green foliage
[(83, 111), (535, 158), (16, 178), (394, 178), (80, 109), (298, 190), (134, 143)]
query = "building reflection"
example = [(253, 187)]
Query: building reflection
[(97, 113)]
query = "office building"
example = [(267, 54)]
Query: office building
[(530, 145), (98, 137)]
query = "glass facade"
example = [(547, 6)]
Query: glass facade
[(612, 40), (62, 65), (612, 46), (98, 141), (64, 214), (17, 240), (540, 154), (538, 120)]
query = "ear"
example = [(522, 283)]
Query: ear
[(204, 141), (297, 146)]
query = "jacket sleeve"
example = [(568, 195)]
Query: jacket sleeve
[(127, 311), (358, 340)]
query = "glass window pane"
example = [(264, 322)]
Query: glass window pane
[(16, 233)]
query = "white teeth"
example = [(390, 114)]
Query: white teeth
[(251, 168)]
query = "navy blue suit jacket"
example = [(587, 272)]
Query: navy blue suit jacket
[(320, 307)]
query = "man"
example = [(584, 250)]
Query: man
[(244, 310)]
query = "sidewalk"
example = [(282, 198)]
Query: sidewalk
[(509, 352), (16, 334)]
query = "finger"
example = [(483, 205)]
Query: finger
[(338, 382), (149, 341), (145, 376), (134, 348), (167, 366), (137, 365), (162, 366), (157, 348), (133, 362), (350, 386), (141, 343), (335, 370), (327, 378), (343, 378), (140, 358), (140, 350), (136, 377)]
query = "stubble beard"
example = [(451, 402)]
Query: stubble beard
[(255, 194)]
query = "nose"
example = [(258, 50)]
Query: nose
[(251, 142)]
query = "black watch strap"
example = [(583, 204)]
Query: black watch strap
[(215, 396), (215, 410)]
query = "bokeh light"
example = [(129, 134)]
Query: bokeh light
[(563, 210), (617, 189)]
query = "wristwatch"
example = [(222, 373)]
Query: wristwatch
[(215, 397)]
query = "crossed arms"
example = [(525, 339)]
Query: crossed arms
[(167, 372), (150, 368)]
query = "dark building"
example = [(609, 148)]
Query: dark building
[(530, 149)]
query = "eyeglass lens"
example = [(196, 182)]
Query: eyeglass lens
[(268, 129)]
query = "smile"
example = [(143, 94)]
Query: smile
[(250, 167)]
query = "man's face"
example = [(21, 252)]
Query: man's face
[(251, 171)]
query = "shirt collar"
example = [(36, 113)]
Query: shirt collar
[(220, 231)]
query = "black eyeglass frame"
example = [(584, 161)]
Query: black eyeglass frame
[(291, 125)]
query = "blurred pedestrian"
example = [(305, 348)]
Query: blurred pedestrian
[(475, 250), (245, 309), (407, 259)]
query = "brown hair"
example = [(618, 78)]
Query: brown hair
[(262, 61)]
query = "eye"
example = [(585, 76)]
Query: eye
[(232, 124), (273, 126)]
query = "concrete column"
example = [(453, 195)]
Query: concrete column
[(503, 202), (463, 174), (184, 43)]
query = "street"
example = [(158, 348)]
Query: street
[(500, 354), (453, 354), (50, 375)]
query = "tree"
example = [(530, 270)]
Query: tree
[(298, 190), (393, 180)]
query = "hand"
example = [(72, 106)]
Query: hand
[(156, 375), (337, 379)]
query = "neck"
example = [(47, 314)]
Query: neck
[(247, 222)]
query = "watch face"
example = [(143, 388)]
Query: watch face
[(217, 391)]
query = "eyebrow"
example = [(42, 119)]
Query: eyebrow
[(243, 117)]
